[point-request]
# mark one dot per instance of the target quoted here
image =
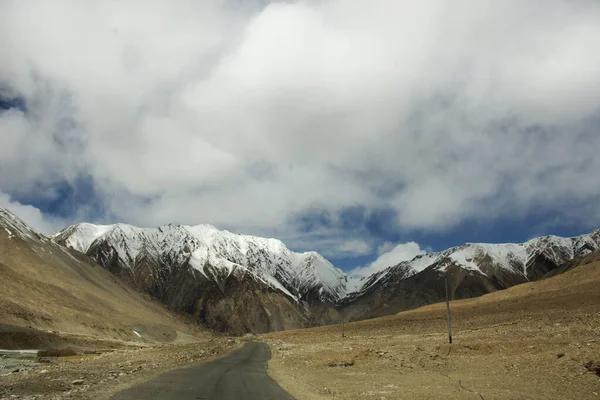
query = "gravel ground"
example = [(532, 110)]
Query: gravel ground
[(99, 376)]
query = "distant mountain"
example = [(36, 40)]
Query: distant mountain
[(213, 274), (239, 283), (210, 252), (473, 269)]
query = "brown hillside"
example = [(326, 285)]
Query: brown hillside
[(47, 288), (538, 340)]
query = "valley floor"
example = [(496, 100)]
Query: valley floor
[(540, 340), (98, 376)]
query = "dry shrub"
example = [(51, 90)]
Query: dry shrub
[(66, 352), (593, 366)]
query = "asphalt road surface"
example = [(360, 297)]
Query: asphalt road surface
[(240, 375)]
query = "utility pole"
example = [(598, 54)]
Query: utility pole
[(448, 309)]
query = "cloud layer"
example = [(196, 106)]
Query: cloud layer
[(31, 215), (389, 255), (247, 114)]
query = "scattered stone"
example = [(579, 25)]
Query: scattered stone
[(341, 364), (560, 355), (593, 366), (77, 382)]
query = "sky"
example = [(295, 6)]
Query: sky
[(368, 131)]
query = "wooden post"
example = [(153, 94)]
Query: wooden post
[(448, 309)]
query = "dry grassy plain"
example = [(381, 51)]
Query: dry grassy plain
[(539, 340)]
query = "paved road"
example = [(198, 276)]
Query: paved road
[(240, 375)]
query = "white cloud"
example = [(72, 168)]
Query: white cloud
[(401, 252), (243, 115), (355, 247), (384, 248), (31, 215)]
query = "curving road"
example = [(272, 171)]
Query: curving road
[(242, 374)]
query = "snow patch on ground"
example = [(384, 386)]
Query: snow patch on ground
[(21, 351)]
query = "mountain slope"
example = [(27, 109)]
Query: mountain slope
[(51, 288), (206, 272), (538, 340), (473, 269), (231, 282), (211, 252)]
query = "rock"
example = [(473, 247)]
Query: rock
[(44, 371), (77, 382), (560, 355)]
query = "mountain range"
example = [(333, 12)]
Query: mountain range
[(200, 269), (239, 283)]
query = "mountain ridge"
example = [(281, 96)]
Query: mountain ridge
[(478, 258), (242, 283), (266, 258)]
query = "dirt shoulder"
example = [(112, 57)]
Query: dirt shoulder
[(99, 376), (537, 341)]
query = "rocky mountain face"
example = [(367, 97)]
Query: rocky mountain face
[(473, 269), (241, 283), (230, 282)]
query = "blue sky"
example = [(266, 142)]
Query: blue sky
[(367, 132)]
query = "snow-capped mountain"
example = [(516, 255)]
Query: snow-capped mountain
[(191, 267), (239, 283), (300, 275), (473, 269), (528, 260), (213, 253)]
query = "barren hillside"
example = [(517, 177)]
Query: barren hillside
[(533, 341), (54, 290)]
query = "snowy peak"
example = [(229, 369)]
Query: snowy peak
[(80, 237), (213, 253), (217, 254), (529, 260), (315, 272)]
